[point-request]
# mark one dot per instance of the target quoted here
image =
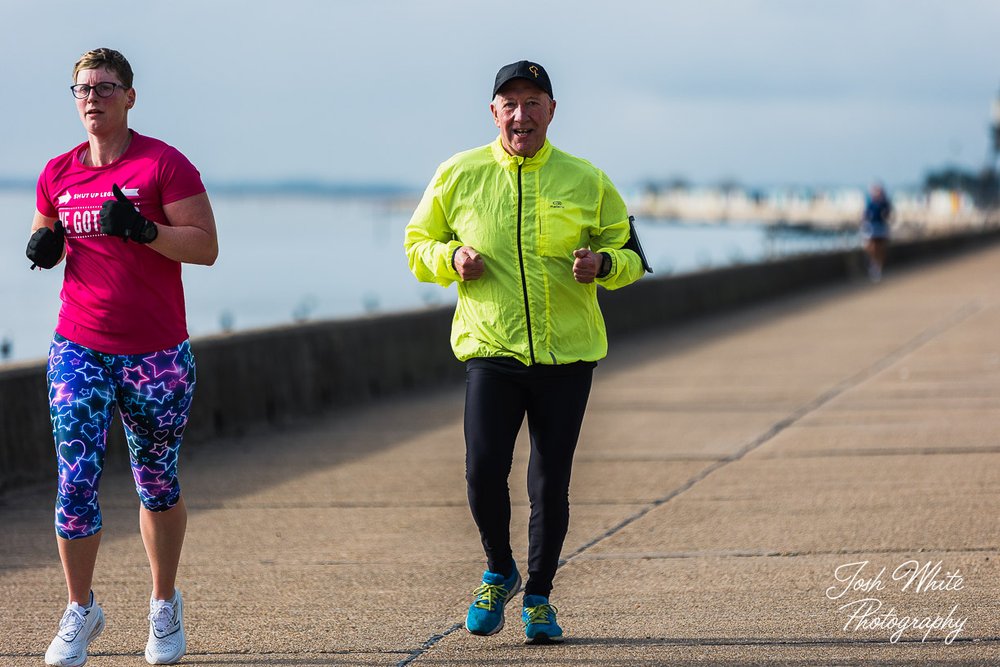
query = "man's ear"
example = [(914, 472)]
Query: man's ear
[(496, 117)]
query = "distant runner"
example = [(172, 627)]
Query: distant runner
[(875, 230)]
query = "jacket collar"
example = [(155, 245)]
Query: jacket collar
[(509, 161)]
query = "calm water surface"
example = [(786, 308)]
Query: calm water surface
[(287, 258)]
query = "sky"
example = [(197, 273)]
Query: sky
[(763, 92)]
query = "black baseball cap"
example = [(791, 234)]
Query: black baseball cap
[(523, 69)]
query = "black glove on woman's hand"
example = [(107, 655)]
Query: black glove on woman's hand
[(119, 217), (45, 247)]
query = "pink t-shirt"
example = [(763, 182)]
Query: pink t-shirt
[(118, 297)]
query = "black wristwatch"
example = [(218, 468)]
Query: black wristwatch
[(606, 265), (148, 233)]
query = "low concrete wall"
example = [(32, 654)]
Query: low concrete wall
[(262, 379), (661, 301)]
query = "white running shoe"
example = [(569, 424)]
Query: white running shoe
[(166, 644), (79, 626)]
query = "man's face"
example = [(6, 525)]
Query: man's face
[(523, 112)]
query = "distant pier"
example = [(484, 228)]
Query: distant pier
[(915, 215)]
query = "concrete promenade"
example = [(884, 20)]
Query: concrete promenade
[(732, 475)]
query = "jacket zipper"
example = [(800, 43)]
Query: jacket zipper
[(524, 280)]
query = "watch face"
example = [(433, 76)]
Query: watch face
[(149, 233)]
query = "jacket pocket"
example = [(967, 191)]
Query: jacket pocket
[(561, 230)]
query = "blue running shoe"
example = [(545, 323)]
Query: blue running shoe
[(539, 618), (485, 616)]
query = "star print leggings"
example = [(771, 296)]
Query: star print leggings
[(153, 393)]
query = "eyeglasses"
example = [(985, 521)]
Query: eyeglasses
[(81, 91)]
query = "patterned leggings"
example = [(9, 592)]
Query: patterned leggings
[(153, 393)]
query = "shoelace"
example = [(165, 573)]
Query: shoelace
[(161, 615), (543, 613), (488, 595), (72, 620)]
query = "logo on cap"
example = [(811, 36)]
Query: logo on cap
[(534, 70)]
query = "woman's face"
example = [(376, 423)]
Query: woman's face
[(104, 115)]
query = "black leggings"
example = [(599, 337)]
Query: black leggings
[(498, 394)]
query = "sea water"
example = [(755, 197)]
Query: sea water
[(292, 258)]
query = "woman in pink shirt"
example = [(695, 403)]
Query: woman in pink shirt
[(125, 211)]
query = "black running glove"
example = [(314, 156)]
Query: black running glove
[(119, 217), (45, 247)]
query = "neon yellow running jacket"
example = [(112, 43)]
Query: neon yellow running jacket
[(525, 216)]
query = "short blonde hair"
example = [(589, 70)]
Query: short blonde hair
[(107, 59)]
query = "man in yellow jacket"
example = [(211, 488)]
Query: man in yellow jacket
[(528, 232)]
